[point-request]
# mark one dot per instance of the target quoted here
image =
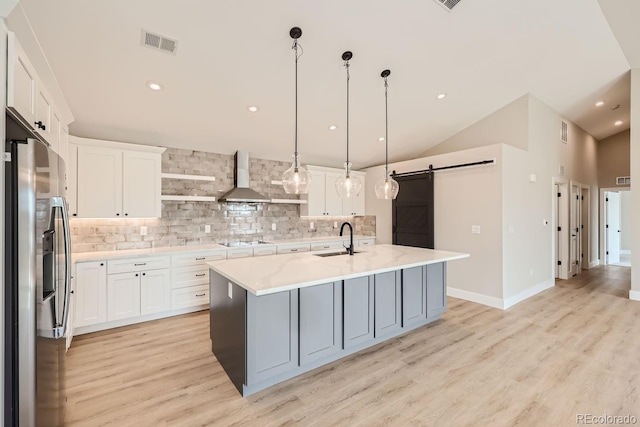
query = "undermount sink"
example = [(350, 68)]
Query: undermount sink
[(326, 254)]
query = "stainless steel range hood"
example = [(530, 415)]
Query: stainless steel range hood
[(241, 193)]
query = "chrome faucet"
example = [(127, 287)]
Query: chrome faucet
[(350, 248)]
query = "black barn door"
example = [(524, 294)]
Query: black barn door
[(413, 211)]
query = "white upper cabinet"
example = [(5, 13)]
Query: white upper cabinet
[(141, 196), (22, 82), (31, 100), (323, 199), (114, 180), (99, 182)]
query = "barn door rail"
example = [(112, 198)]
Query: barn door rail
[(432, 169)]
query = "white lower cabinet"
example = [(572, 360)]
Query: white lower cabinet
[(155, 291), (90, 293), (189, 297), (123, 296)]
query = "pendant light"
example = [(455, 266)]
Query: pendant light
[(347, 185), (386, 187), (297, 178)]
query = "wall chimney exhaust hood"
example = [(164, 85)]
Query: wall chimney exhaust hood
[(241, 193)]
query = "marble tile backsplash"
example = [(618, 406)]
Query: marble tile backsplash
[(183, 223)]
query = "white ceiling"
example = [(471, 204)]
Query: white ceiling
[(232, 54)]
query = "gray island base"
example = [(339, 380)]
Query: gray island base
[(262, 340)]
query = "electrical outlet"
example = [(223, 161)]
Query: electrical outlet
[(230, 290), (143, 231), (335, 224), (207, 228), (311, 225), (475, 229), (273, 226)]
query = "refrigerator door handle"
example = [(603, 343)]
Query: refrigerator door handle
[(61, 203)]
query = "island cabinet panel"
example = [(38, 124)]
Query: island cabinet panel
[(388, 303), (436, 289), (414, 296), (358, 311), (320, 321), (272, 335)]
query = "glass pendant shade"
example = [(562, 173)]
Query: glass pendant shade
[(296, 179), (348, 186), (387, 188)]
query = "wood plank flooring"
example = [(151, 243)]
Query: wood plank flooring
[(572, 349)]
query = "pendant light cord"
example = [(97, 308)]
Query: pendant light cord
[(346, 64), (386, 130), (295, 153)]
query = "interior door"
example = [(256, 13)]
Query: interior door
[(412, 212), (613, 227), (575, 216)]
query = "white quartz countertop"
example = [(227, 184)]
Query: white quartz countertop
[(277, 273), (169, 250)]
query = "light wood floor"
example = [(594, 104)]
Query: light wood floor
[(571, 349)]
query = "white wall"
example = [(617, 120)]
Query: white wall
[(462, 197), (508, 125), (625, 220), (635, 192)]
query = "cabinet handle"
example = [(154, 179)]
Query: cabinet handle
[(201, 275), (126, 214), (71, 292), (326, 247), (40, 125), (136, 274), (102, 264), (294, 250), (144, 274), (200, 258), (142, 263), (75, 214), (117, 214), (200, 295)]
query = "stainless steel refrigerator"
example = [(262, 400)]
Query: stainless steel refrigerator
[(37, 281)]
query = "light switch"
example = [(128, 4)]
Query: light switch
[(143, 231), (273, 226), (335, 224), (311, 225), (475, 229), (207, 228), (230, 291)]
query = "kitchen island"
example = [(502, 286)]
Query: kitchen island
[(276, 317)]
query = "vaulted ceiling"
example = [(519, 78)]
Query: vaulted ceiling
[(235, 53)]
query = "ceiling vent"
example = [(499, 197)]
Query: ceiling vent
[(159, 42), (564, 132), (447, 4)]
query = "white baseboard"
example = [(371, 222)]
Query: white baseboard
[(634, 295), (528, 293), (474, 297), (625, 251), (594, 263)]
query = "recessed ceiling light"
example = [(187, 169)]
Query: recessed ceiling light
[(599, 103), (333, 127), (252, 108), (618, 122), (154, 85), (381, 139), (441, 96)]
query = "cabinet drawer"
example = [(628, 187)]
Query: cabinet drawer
[(293, 248), (320, 246), (271, 250), (137, 264), (366, 242), (183, 277), (189, 297), (197, 258), (240, 253)]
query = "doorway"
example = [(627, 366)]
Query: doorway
[(561, 244), (575, 233), (616, 227)]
